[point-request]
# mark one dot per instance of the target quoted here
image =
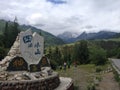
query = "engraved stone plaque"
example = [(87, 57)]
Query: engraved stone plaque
[(31, 47), (17, 64), (44, 62)]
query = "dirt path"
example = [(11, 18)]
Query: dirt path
[(83, 75), (79, 76), (108, 82)]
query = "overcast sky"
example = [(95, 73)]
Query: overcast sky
[(57, 16)]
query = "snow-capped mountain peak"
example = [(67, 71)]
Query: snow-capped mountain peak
[(68, 35)]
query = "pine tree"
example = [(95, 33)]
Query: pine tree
[(5, 36), (81, 53), (52, 58), (57, 55), (84, 52), (15, 28), (50, 53), (14, 31), (65, 53)]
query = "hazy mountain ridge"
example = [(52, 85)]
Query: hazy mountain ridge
[(88, 36), (68, 36)]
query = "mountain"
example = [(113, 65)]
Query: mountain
[(2, 26), (117, 35), (68, 36), (50, 39), (98, 35), (87, 36)]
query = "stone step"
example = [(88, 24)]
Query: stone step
[(66, 84)]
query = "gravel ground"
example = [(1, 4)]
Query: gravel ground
[(108, 82)]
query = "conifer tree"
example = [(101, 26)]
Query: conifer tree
[(15, 30), (57, 55), (5, 36), (83, 52)]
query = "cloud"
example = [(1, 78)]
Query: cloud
[(34, 18), (57, 1), (57, 16)]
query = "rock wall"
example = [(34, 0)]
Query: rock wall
[(49, 83), (71, 87)]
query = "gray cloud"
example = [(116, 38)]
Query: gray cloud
[(73, 15)]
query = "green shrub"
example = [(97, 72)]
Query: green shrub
[(91, 87), (116, 76), (98, 69), (2, 53), (98, 56)]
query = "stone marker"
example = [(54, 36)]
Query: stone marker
[(31, 47), (24, 57), (25, 54)]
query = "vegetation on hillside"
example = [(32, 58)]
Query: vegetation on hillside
[(8, 36), (112, 48), (82, 52)]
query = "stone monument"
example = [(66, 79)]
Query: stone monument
[(26, 68)]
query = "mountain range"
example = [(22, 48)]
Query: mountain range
[(68, 36)]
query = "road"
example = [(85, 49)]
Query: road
[(115, 64)]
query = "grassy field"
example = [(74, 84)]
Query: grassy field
[(113, 39), (82, 75)]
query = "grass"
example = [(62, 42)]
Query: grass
[(82, 75), (113, 39)]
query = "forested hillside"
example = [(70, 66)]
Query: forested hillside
[(81, 52), (84, 52)]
